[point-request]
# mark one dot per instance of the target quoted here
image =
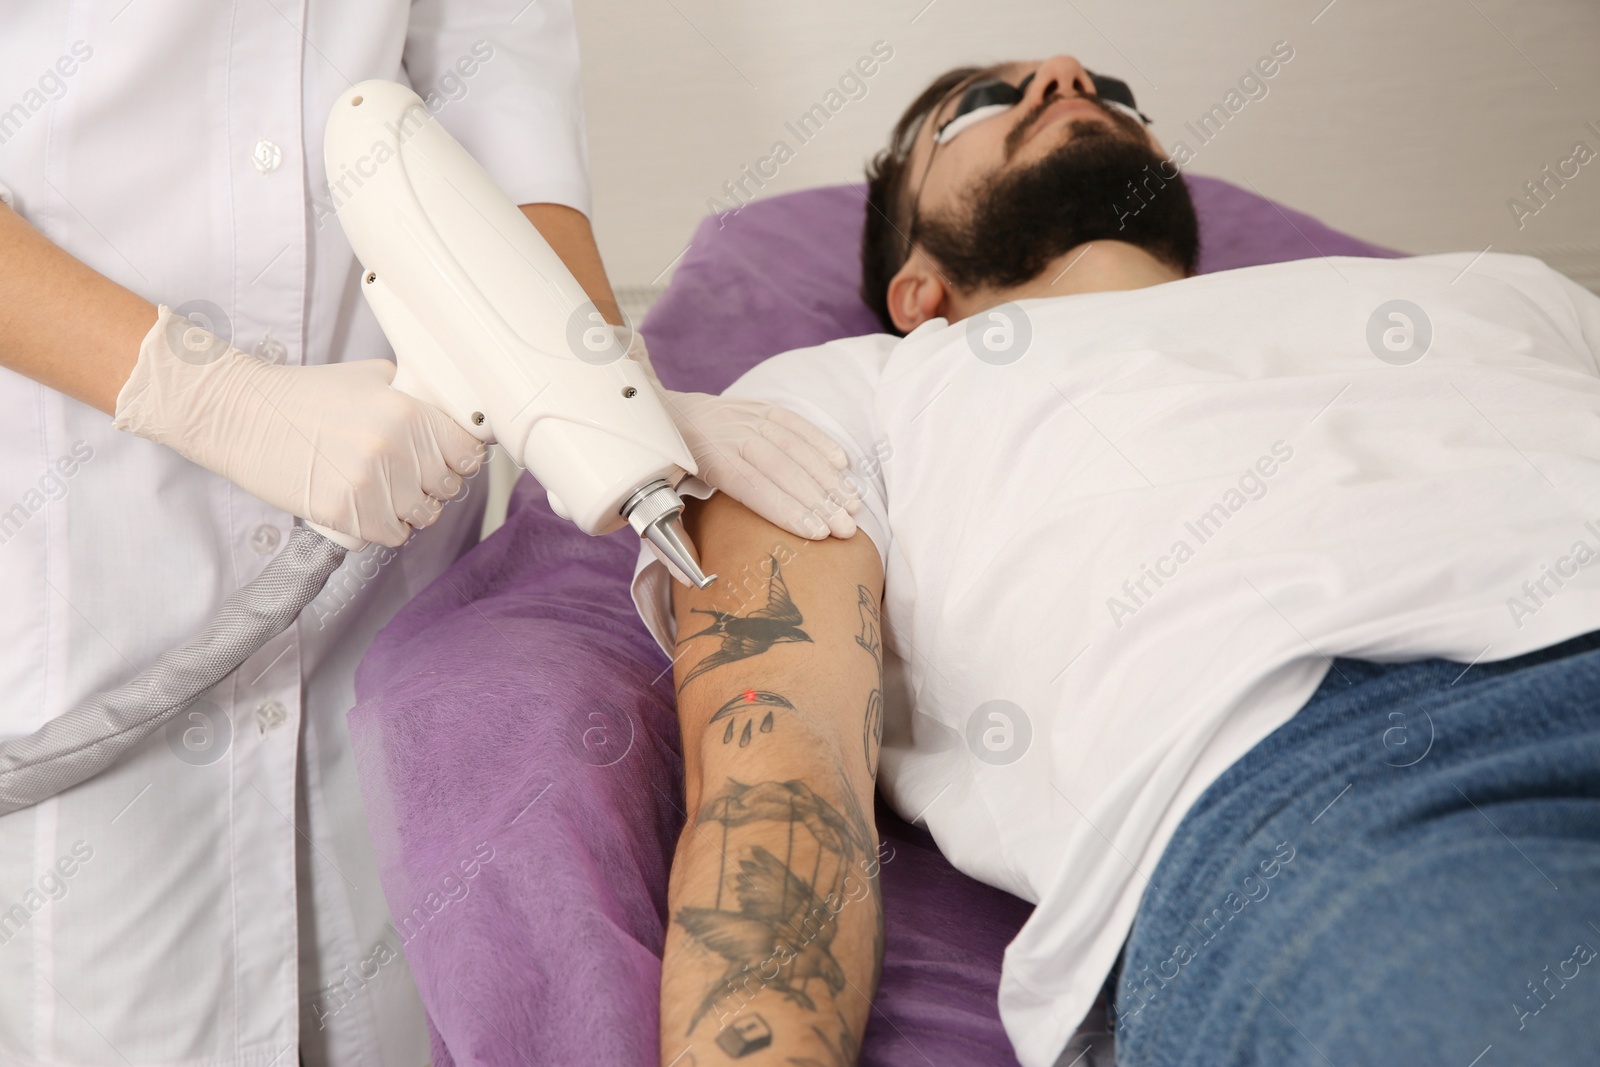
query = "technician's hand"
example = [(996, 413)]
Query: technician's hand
[(333, 444), (769, 459)]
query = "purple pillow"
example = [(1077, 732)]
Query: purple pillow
[(517, 720), (783, 273)]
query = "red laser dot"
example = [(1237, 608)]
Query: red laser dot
[(749, 696)]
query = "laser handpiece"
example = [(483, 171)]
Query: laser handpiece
[(491, 327)]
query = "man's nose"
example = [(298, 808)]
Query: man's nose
[(1060, 76)]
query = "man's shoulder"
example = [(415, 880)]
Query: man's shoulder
[(849, 366)]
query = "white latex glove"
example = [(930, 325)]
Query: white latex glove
[(769, 459), (333, 443)]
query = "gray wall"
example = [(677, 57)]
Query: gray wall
[(1407, 123)]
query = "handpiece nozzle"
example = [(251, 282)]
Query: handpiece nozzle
[(656, 512)]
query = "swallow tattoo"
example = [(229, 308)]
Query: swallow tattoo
[(743, 636)]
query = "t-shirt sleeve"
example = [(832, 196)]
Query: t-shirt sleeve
[(503, 78), (833, 386)]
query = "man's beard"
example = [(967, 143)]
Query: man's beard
[(1023, 219)]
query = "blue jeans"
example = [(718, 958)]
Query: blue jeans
[(1406, 872)]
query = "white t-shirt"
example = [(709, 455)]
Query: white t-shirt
[(1150, 532)]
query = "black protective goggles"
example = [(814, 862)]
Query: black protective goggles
[(990, 96)]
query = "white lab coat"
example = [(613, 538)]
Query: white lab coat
[(168, 912)]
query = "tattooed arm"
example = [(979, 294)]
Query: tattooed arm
[(776, 935)]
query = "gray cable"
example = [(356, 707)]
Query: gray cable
[(87, 739)]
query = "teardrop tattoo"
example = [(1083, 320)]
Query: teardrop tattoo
[(748, 702)]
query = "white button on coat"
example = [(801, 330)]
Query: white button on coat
[(264, 539), (270, 350), (267, 156), (177, 934), (270, 715)]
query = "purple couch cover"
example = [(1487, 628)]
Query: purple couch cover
[(518, 709)]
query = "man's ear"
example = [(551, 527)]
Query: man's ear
[(917, 292)]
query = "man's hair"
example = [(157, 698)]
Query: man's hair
[(886, 237)]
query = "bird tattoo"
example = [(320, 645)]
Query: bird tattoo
[(780, 922), (783, 921), (743, 636)]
